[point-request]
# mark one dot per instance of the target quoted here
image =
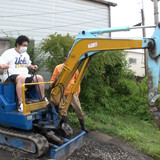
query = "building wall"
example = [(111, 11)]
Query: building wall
[(38, 18), (136, 61), (4, 45), (74, 16), (34, 19)]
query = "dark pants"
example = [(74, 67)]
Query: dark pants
[(12, 79)]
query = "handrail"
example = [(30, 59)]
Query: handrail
[(28, 108)]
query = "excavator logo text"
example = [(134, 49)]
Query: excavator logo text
[(92, 45)]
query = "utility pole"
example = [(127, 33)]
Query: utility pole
[(156, 20), (144, 35), (156, 13)]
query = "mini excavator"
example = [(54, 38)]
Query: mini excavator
[(39, 128)]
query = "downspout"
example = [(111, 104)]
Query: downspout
[(109, 18)]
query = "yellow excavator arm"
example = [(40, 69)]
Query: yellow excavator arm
[(79, 53)]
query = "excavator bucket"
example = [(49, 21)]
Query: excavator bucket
[(63, 151)]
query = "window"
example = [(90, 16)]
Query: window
[(132, 60)]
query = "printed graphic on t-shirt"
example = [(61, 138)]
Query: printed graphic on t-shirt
[(20, 62)]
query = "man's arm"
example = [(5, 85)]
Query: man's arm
[(55, 74), (4, 66), (4, 59), (75, 78)]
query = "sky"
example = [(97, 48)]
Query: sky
[(128, 13)]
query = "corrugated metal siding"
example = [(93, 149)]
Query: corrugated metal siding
[(33, 18), (38, 18), (74, 16)]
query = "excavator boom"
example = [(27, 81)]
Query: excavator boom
[(87, 45)]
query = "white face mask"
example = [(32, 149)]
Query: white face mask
[(22, 49)]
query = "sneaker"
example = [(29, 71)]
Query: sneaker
[(44, 99), (20, 107)]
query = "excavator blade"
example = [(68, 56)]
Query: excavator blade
[(63, 151)]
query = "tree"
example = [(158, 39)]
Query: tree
[(54, 48)]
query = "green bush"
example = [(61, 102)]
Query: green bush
[(109, 86)]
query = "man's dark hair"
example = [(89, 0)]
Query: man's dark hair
[(21, 39)]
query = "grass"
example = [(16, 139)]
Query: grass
[(143, 135)]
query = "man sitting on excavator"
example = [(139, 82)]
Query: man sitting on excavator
[(16, 62)]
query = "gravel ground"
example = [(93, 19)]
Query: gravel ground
[(97, 146)]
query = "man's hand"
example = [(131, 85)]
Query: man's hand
[(4, 66), (34, 67)]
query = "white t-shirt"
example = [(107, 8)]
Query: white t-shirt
[(17, 63)]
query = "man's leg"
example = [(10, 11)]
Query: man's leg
[(41, 89), (77, 106), (19, 81), (78, 110)]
